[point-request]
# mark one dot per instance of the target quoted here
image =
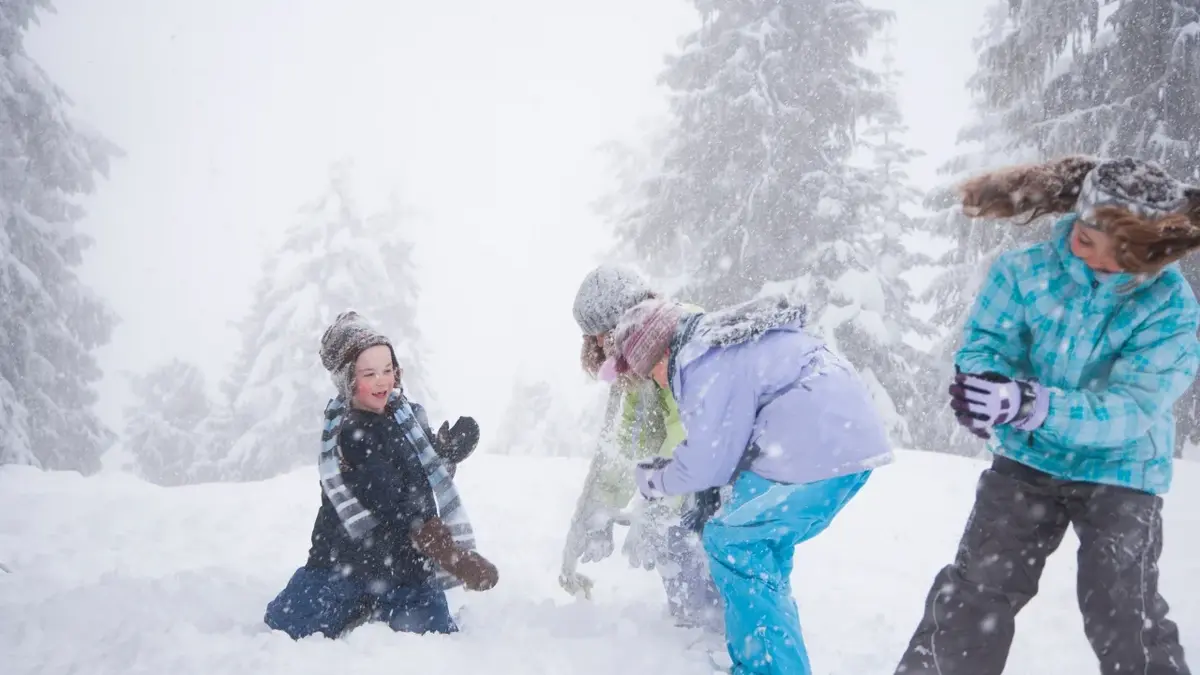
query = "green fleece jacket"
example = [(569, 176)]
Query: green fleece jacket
[(643, 423)]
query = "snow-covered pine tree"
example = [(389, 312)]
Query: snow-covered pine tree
[(986, 142), (633, 167), (754, 190), (1154, 87), (852, 278), (548, 421), (164, 428), (1132, 88), (522, 429), (49, 321), (764, 99), (333, 259), (890, 158), (867, 312)]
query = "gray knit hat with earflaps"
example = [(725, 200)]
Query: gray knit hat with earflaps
[(605, 294), (348, 337)]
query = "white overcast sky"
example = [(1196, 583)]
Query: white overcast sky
[(484, 116)]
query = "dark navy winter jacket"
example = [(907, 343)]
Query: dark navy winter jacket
[(382, 469)]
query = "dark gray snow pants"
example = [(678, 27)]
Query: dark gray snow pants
[(1019, 519)]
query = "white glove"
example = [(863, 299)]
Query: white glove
[(646, 542), (575, 584), (598, 536)]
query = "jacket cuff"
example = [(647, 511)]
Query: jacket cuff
[(1035, 406)]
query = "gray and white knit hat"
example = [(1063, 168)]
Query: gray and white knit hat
[(605, 294), (348, 336), (1138, 186)]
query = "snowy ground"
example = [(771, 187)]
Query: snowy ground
[(111, 575)]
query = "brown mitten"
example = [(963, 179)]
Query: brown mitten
[(433, 539), (476, 572)]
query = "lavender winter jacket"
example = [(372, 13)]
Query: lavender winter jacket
[(750, 378)]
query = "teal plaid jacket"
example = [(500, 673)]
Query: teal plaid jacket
[(1115, 352)]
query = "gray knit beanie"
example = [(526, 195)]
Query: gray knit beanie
[(606, 293), (349, 336), (1138, 186)]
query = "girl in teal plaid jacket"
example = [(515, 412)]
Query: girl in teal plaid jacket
[(1073, 357)]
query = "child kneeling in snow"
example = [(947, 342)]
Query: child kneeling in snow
[(391, 534), (769, 408)]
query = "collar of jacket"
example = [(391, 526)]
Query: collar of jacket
[(683, 333), (1116, 284)]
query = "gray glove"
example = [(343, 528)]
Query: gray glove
[(598, 536), (646, 542)]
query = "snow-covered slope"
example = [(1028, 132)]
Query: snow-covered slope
[(114, 576)]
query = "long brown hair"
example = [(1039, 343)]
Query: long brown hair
[(591, 355), (1144, 244)]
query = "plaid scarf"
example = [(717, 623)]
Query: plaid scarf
[(356, 518)]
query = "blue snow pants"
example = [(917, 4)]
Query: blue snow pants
[(322, 601), (750, 544)]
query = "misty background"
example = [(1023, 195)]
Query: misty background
[(467, 148)]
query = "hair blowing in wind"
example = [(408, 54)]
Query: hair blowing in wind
[(1153, 217)]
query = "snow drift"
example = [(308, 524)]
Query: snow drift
[(113, 575)]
